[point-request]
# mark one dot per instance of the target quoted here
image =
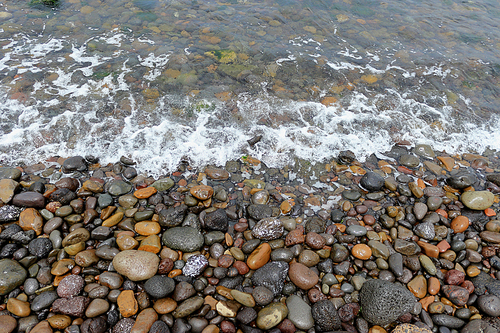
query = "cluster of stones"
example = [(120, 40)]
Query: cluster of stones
[(405, 244)]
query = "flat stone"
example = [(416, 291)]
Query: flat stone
[(163, 184), (29, 199), (188, 306), (119, 187), (447, 321), (12, 275), (478, 200), (136, 265), (489, 304), (299, 312), (8, 188), (271, 315), (10, 173), (96, 308), (127, 304), (7, 324), (186, 239)]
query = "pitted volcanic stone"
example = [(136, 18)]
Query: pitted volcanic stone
[(172, 216), (259, 212), (40, 247), (461, 180), (382, 302), (268, 229), (159, 286), (325, 316), (186, 239), (272, 276), (483, 282)]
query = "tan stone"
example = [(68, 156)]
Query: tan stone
[(151, 244), (127, 304), (7, 189), (244, 298), (18, 307), (7, 324), (418, 286), (42, 327), (62, 266), (75, 248), (144, 321), (147, 228), (59, 321), (228, 309), (31, 219), (126, 242), (113, 220), (165, 305), (202, 192)]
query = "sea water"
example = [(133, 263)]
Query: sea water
[(165, 82)]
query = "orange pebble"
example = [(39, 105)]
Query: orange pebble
[(420, 183), (489, 212), (340, 227), (175, 272), (443, 246), (433, 285), (460, 224), (361, 251), (145, 193), (442, 212)]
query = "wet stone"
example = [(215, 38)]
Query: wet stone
[(478, 200), (40, 247), (119, 187), (372, 181), (9, 213), (186, 239), (75, 163), (398, 300), (272, 276), (70, 286), (447, 321), (262, 295), (12, 275), (268, 229), (489, 304), (259, 212), (10, 173), (299, 312), (195, 265), (325, 316), (44, 300), (216, 220), (136, 265), (29, 199)]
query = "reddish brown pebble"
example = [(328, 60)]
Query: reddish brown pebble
[(302, 276), (240, 227), (225, 261), (227, 327), (295, 236), (315, 241), (369, 219), (454, 277), (460, 224), (241, 267), (315, 295), (468, 285), (165, 266), (457, 295), (286, 326)]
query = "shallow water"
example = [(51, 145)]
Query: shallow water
[(167, 81)]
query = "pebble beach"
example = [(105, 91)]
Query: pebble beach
[(406, 242)]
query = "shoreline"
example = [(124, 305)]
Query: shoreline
[(248, 248)]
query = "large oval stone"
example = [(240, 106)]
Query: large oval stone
[(478, 200), (136, 265), (271, 315), (12, 275), (186, 239)]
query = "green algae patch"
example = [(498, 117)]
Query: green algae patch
[(222, 56), (45, 3)]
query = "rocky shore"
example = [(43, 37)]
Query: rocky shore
[(406, 242)]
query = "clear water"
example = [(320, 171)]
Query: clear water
[(166, 81)]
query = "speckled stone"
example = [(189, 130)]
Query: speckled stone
[(268, 229), (186, 239)]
